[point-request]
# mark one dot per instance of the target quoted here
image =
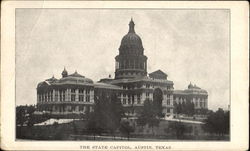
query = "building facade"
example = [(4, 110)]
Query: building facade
[(194, 94), (72, 93), (76, 94)]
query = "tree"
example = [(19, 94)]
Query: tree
[(178, 128), (148, 115), (93, 126), (185, 107), (126, 129), (217, 122), (107, 114), (189, 108), (20, 115), (176, 108), (24, 114), (157, 102)]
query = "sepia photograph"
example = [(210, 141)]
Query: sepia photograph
[(132, 75), (122, 74)]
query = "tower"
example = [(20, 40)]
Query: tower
[(64, 73), (131, 61)]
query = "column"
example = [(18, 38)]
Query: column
[(135, 99), (171, 99), (77, 95), (69, 95), (59, 98), (84, 95), (92, 95), (66, 95), (37, 98), (53, 95), (143, 97), (126, 102), (46, 96), (206, 102), (151, 96)]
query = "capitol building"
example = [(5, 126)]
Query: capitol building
[(132, 84)]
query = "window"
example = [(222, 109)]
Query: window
[(73, 90), (200, 104), (147, 95), (87, 95), (81, 91), (168, 102), (87, 98), (129, 100), (39, 98), (138, 99), (73, 97), (80, 108), (147, 86), (87, 91), (81, 98), (60, 94), (48, 97), (63, 95), (168, 110), (51, 93), (56, 95), (124, 101)]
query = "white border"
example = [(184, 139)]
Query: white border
[(239, 74)]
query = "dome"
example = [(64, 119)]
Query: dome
[(76, 78), (131, 40), (194, 88), (190, 86), (53, 79)]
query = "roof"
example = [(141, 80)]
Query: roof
[(106, 86), (190, 91), (138, 79), (158, 72), (74, 78), (180, 92), (76, 75), (131, 40)]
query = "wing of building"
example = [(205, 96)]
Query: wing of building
[(132, 84)]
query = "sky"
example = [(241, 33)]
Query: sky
[(188, 45)]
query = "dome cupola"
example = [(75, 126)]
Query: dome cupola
[(131, 43), (131, 61)]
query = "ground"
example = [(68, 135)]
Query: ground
[(74, 130)]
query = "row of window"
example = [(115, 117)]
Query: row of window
[(183, 98), (130, 99), (148, 86), (202, 104), (49, 97), (132, 64), (87, 91), (67, 108), (197, 103)]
